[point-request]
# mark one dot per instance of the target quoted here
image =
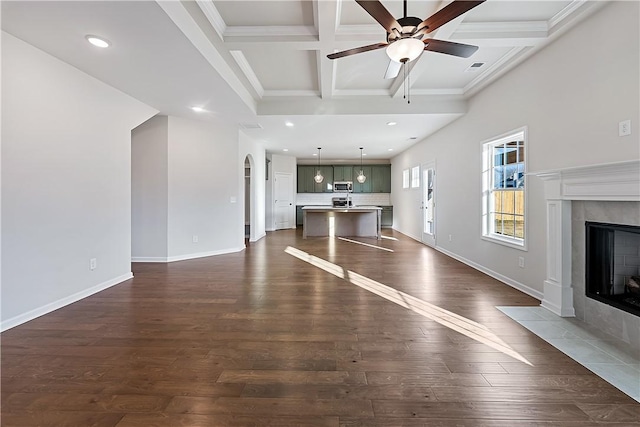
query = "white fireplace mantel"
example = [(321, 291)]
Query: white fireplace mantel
[(606, 182)]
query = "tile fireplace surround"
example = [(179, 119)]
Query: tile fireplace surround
[(603, 193)]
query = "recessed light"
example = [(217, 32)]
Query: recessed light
[(390, 149), (97, 41), (391, 123), (364, 154), (289, 124), (197, 109), (315, 154), (285, 149)]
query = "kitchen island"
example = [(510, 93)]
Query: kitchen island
[(357, 221)]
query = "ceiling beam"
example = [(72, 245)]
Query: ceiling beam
[(327, 21), (436, 104), (176, 11)]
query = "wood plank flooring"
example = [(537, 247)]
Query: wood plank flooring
[(262, 338)]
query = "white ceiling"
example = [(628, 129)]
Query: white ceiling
[(264, 63)]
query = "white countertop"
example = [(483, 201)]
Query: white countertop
[(342, 209)]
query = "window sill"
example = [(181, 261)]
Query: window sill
[(511, 243)]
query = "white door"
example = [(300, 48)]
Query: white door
[(283, 195), (429, 203)]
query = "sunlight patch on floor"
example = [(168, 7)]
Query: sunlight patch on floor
[(444, 317), (366, 244), (389, 238)]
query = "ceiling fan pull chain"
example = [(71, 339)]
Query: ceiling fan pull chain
[(404, 81), (409, 87)]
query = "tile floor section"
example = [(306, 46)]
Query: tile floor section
[(603, 354)]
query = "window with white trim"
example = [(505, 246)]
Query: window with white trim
[(405, 178), (503, 189), (415, 177)]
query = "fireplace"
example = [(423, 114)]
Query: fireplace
[(606, 194), (612, 273)]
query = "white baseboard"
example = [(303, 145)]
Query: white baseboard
[(148, 259), (504, 279), (258, 237), (187, 256), (204, 254), (48, 308)]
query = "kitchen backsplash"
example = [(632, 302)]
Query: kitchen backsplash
[(362, 199)]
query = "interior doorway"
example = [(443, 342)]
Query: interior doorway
[(247, 199), (429, 203)]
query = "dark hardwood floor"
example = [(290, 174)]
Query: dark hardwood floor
[(265, 338)]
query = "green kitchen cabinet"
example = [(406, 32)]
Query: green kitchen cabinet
[(343, 173), (326, 186), (365, 187), (381, 179), (378, 178), (299, 217), (306, 183), (386, 217)]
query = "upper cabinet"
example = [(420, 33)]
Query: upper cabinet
[(381, 178), (306, 183), (343, 173), (378, 178), (366, 186)]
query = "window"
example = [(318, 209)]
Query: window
[(415, 177), (405, 178), (503, 189)]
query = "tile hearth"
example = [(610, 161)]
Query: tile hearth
[(605, 355)]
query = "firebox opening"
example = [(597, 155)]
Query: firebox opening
[(613, 265)]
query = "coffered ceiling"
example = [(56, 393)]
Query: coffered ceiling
[(260, 64)]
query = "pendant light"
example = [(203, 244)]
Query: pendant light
[(361, 178), (318, 178)]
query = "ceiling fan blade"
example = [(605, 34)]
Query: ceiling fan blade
[(449, 48), (392, 70), (446, 14), (380, 14), (357, 50)]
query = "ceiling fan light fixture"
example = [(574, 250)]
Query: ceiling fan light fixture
[(405, 50)]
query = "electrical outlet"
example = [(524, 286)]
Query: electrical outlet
[(195, 238), (624, 128), (521, 262), (93, 264), (449, 237)]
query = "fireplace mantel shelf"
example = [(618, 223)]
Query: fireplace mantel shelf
[(608, 182)]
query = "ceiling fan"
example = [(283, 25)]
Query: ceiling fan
[(406, 36)]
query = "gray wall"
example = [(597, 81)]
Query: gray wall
[(149, 184), (66, 182), (571, 96), (186, 186)]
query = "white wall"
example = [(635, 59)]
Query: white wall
[(149, 185), (66, 182), (571, 95), (205, 197), (257, 196)]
